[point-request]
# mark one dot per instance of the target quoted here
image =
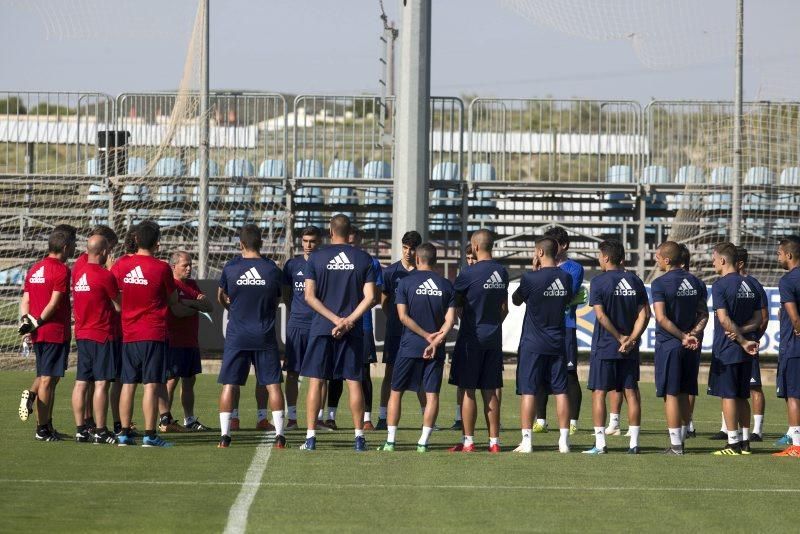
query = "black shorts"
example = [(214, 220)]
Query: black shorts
[(144, 362), (97, 362), (184, 362), (731, 380), (478, 367), (51, 358), (540, 373)]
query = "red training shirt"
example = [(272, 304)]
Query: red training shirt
[(93, 288), (146, 284), (42, 279), (183, 330)]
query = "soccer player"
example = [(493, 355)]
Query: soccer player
[(457, 424), (95, 295), (542, 369), (482, 293), (737, 312), (788, 380), (620, 304), (574, 393), (46, 319), (148, 294), (184, 349), (340, 288), (426, 306), (300, 315), (250, 288), (394, 328), (679, 302)]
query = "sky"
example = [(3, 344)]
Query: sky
[(479, 47)]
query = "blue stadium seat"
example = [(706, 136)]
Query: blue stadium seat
[(445, 171), (235, 168), (170, 167), (377, 196), (686, 175), (271, 194), (482, 172), (342, 168), (136, 166), (98, 193), (757, 206), (714, 204), (308, 168), (194, 168), (787, 202), (655, 174), (618, 174), (239, 192), (213, 190)]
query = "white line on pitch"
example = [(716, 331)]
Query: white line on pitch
[(237, 516)]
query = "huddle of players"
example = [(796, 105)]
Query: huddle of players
[(136, 322)]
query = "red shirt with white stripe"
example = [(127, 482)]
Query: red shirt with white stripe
[(93, 288), (41, 281), (183, 330), (146, 284)]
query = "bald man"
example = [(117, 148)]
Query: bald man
[(95, 304)]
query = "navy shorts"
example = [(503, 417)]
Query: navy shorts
[(296, 344), (51, 358), (571, 349), (391, 346), (788, 380), (145, 362), (97, 362), (676, 370), (540, 373), (417, 374), (729, 381), (454, 356), (236, 366), (755, 374), (370, 352), (614, 375), (477, 367), (334, 359), (184, 362), (117, 360)]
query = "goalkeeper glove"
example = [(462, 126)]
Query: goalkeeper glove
[(27, 324), (580, 298)]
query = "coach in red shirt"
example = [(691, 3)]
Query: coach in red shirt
[(184, 350), (46, 317), (148, 291), (95, 297)]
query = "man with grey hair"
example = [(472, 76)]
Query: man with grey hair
[(184, 350)]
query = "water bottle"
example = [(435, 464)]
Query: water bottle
[(25, 351)]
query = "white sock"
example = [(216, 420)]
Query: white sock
[(684, 433), (277, 421), (292, 413), (494, 441), (320, 415), (331, 413), (189, 420), (563, 438), (724, 427), (311, 433), (745, 434), (675, 437), (468, 440), (613, 420), (225, 423), (359, 433), (261, 415), (426, 435), (367, 417), (527, 437), (235, 413), (599, 437), (691, 425), (458, 413), (542, 422), (573, 422), (634, 430), (391, 433), (794, 432), (381, 412), (733, 437), (759, 423)]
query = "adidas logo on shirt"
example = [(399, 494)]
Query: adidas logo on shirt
[(82, 285), (340, 263), (686, 289), (624, 289), (494, 282), (135, 277), (429, 288), (38, 276), (745, 292), (300, 286), (251, 278), (556, 289)]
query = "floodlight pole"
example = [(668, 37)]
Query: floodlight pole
[(736, 196), (202, 226), (410, 208)]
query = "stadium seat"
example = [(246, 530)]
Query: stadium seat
[(686, 175), (97, 194), (757, 206), (655, 174), (618, 174), (377, 196), (342, 168), (239, 192), (271, 195), (213, 190), (482, 172), (170, 167), (308, 168), (171, 193), (716, 205), (445, 171), (787, 202), (136, 166)]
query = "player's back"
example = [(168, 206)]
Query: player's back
[(146, 284), (339, 272), (484, 289), (789, 289), (391, 278), (732, 292), (294, 276), (621, 293), (45, 277), (547, 293), (93, 288), (427, 295), (682, 294), (254, 288)]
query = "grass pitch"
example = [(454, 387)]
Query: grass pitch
[(72, 487)]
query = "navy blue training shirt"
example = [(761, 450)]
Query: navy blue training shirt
[(762, 295), (340, 272), (376, 267), (733, 293), (682, 294), (428, 297), (789, 289), (391, 277), (547, 293), (484, 288), (621, 293), (294, 276), (254, 287)]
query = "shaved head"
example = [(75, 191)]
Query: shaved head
[(96, 245), (672, 251), (482, 240)]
